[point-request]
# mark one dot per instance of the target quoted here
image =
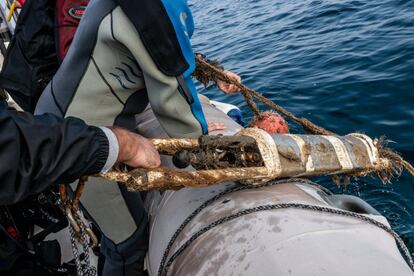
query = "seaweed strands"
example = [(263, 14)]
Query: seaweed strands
[(396, 163)]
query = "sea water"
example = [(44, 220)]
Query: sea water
[(345, 65)]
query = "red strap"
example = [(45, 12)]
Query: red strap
[(21, 2)]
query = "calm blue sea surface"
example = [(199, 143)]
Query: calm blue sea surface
[(346, 65)]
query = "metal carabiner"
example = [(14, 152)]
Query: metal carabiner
[(72, 212), (72, 220)]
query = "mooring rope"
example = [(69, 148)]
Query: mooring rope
[(208, 71)]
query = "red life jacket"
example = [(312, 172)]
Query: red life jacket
[(43, 34), (68, 15)]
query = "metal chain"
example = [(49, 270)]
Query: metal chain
[(75, 250), (83, 266), (215, 198), (164, 266), (87, 269)]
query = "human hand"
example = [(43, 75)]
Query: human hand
[(135, 150), (212, 126), (229, 88)]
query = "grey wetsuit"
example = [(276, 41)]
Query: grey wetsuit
[(108, 77)]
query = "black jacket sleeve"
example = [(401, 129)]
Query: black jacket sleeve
[(38, 151)]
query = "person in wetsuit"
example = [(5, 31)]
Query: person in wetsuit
[(126, 57)]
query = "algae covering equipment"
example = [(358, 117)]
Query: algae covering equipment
[(254, 155), (284, 227)]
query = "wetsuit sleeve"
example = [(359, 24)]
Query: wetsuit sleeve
[(38, 151), (173, 99)]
